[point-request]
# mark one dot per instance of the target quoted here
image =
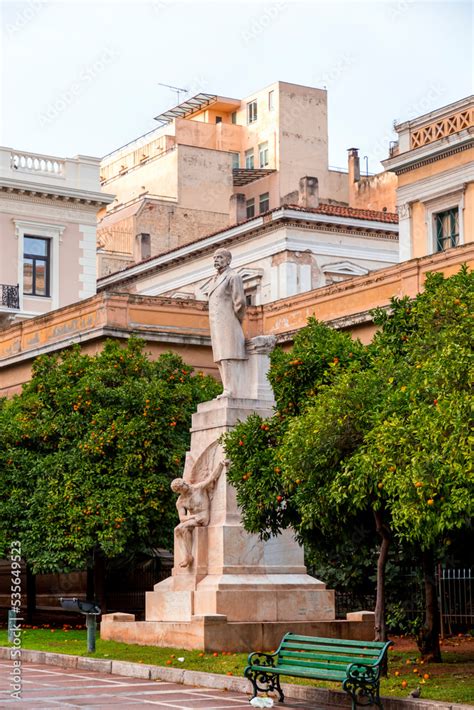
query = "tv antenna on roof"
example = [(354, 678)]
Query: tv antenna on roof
[(174, 88)]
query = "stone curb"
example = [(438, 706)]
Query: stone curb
[(319, 696)]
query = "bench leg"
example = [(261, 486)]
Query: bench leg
[(263, 681), (363, 694)]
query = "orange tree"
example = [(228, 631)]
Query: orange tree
[(87, 453), (420, 447), (383, 433)]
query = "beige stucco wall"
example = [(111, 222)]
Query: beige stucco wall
[(303, 136), (418, 229), (204, 179), (376, 192), (469, 213), (72, 248), (9, 247), (452, 162), (157, 177), (220, 136), (337, 187), (270, 184)]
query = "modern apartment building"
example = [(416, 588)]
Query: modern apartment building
[(213, 162), (48, 208)]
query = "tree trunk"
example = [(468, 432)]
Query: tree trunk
[(96, 580), (384, 534), (99, 580), (428, 636), (30, 595)]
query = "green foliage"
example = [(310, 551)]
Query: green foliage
[(319, 354), (88, 449), (398, 620), (420, 446), (386, 427)]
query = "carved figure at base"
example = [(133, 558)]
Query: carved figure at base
[(194, 509), (226, 313)]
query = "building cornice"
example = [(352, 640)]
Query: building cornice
[(435, 186), (272, 220), (430, 153), (26, 188), (151, 334)]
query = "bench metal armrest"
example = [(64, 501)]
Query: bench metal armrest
[(258, 658), (364, 672), (369, 671)]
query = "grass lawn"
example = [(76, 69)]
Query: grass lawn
[(451, 681)]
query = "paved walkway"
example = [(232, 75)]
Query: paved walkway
[(50, 688)]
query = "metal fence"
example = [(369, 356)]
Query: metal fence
[(455, 589), (455, 594)]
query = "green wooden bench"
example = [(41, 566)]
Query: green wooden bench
[(358, 664)]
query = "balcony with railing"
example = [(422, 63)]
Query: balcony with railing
[(9, 304), (78, 173), (10, 297)]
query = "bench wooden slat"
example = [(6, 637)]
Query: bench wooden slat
[(307, 657), (312, 664), (332, 649), (322, 674), (330, 642)]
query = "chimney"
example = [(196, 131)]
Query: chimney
[(308, 192), (354, 165), (237, 208)]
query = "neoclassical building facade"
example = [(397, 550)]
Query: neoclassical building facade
[(48, 223)]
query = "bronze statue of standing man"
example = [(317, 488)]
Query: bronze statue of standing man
[(226, 313)]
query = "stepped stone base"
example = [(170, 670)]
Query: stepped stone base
[(240, 593), (216, 633), (255, 598)]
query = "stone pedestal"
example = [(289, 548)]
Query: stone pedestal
[(231, 566), (240, 590)]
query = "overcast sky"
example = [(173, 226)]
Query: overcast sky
[(82, 77)]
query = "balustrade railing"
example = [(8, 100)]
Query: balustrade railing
[(34, 163), (10, 296)]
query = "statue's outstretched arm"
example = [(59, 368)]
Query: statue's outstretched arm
[(212, 477)]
